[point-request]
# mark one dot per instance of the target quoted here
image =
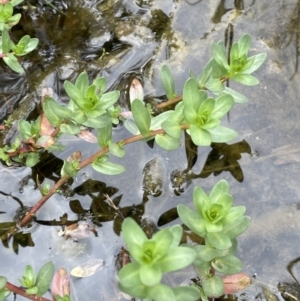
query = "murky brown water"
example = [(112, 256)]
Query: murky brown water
[(138, 38)]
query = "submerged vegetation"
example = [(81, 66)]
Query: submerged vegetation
[(198, 112)]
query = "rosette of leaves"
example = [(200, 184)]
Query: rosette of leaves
[(203, 115), (89, 104), (240, 66), (152, 258), (11, 51), (219, 223)]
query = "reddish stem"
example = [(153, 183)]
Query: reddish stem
[(22, 292)]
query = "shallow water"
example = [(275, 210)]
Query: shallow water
[(141, 36)]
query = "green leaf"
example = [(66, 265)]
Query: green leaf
[(3, 281), (141, 117), (25, 129), (44, 278), (219, 56), (238, 227), (161, 292), (237, 97), (15, 2), (132, 233), (191, 96), (98, 122), (100, 83), (79, 116), (54, 111), (219, 240), (176, 231), (32, 159), (186, 293), (221, 134), (131, 127), (7, 11), (205, 74), (220, 188), (213, 287), (116, 150), (5, 41), (108, 168), (30, 275), (228, 264), (166, 142), (177, 258), (245, 79), (32, 290), (108, 99), (222, 106), (258, 61), (206, 253), (139, 291), (157, 121), (105, 135), (233, 214), (82, 82), (172, 129), (75, 94), (200, 136), (201, 200), (129, 274), (244, 44), (168, 81), (215, 85), (70, 128), (68, 169), (12, 62), (150, 274)]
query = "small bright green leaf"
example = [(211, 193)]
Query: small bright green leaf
[(166, 142), (219, 56), (82, 82), (228, 264), (258, 60), (177, 259), (245, 79), (32, 290), (236, 228), (213, 287), (70, 128), (116, 150), (215, 85), (108, 99), (220, 188), (237, 97), (68, 169), (75, 94), (244, 44), (98, 122), (206, 253), (3, 281), (172, 129), (205, 74), (108, 168), (32, 159), (5, 41), (44, 278), (221, 134), (157, 121), (132, 233), (150, 274), (191, 96), (168, 81), (7, 11), (233, 214), (186, 293), (129, 274), (29, 274), (222, 106), (219, 240), (141, 117), (161, 292), (200, 136), (12, 62), (105, 135)]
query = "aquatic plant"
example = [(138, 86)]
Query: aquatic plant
[(205, 101), (10, 51)]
